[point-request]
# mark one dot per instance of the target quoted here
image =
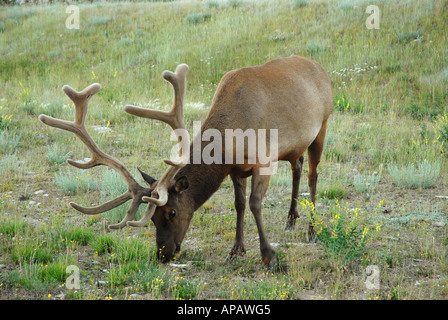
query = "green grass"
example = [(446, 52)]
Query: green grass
[(390, 106)]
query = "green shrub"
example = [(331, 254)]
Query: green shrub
[(79, 235), (8, 142), (335, 190), (103, 243), (71, 184), (99, 20), (57, 155), (343, 233), (12, 227), (423, 176), (27, 253), (234, 3), (195, 18), (404, 37), (299, 4), (366, 183), (314, 47)]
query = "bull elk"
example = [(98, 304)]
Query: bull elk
[(292, 95)]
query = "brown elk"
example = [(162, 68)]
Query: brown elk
[(292, 95)]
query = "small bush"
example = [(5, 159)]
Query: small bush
[(99, 20), (366, 183), (30, 254), (5, 121), (12, 228), (57, 155), (334, 191), (299, 4), (8, 142), (404, 37), (56, 271), (71, 184), (314, 47), (342, 103), (195, 18), (103, 244), (234, 3), (213, 4), (343, 233), (423, 176), (79, 235), (112, 184)]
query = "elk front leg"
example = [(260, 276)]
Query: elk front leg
[(260, 184), (296, 167), (238, 249)]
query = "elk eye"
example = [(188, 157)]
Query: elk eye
[(172, 213)]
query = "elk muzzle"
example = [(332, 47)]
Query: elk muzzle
[(168, 251)]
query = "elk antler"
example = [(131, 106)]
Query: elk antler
[(134, 192), (174, 118)]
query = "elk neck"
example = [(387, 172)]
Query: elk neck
[(204, 180)]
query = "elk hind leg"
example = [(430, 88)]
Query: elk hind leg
[(296, 167), (314, 154)]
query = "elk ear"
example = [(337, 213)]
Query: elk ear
[(149, 180), (181, 184)]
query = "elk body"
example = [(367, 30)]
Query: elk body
[(291, 95)]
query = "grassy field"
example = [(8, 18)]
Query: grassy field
[(383, 173)]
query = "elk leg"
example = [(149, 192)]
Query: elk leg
[(239, 185), (296, 167), (314, 154), (259, 186)]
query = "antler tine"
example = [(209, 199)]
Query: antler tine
[(135, 191), (175, 119)]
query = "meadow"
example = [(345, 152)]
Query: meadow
[(382, 191)]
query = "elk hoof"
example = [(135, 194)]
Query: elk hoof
[(311, 237), (273, 266), (237, 250), (231, 258), (291, 222), (289, 226)]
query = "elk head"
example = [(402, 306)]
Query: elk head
[(171, 216)]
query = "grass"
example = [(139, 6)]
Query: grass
[(390, 105)]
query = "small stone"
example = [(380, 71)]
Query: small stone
[(101, 129), (180, 266), (38, 191)]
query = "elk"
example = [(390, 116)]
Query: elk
[(292, 95)]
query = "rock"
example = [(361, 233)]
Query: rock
[(38, 191), (438, 224), (30, 204), (101, 129), (180, 266)]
